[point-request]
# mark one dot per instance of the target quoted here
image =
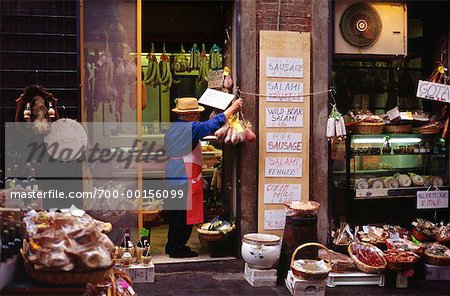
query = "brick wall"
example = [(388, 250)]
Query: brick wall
[(295, 15)]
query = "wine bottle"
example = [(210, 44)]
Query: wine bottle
[(12, 246), (127, 240), (6, 253), (17, 239)]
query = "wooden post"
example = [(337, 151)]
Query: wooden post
[(321, 62)]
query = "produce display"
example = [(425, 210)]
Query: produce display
[(219, 225), (436, 249), (373, 235), (443, 233), (236, 130), (66, 240)]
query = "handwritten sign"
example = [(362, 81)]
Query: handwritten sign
[(282, 193), (284, 142), (284, 67), (433, 91), (274, 219), (393, 113), (216, 99), (290, 91), (215, 78), (432, 199), (283, 167), (67, 139), (284, 117)]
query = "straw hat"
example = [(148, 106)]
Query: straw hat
[(187, 105)]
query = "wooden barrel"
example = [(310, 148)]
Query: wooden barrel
[(297, 231)]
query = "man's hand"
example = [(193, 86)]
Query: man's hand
[(235, 107)]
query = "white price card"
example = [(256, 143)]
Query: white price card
[(432, 199), (216, 99), (284, 67), (284, 91), (284, 117), (274, 219), (282, 193), (283, 167), (284, 142)]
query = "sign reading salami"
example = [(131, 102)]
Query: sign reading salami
[(274, 219), (433, 91), (283, 167), (284, 142), (432, 199), (284, 117), (284, 67), (290, 91), (282, 193)]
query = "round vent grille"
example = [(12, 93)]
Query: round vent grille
[(360, 25)]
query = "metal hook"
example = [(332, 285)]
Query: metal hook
[(37, 77), (332, 91)]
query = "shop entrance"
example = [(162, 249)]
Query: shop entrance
[(138, 59)]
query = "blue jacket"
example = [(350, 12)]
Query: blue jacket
[(181, 139)]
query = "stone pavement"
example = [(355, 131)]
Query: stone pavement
[(207, 283)]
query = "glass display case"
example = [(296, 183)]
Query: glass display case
[(386, 166), (375, 178)]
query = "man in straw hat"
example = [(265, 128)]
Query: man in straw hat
[(184, 169)]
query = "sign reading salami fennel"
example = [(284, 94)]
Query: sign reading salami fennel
[(278, 91), (433, 91), (284, 67), (274, 219), (432, 199), (284, 117), (284, 142), (282, 193), (283, 167)]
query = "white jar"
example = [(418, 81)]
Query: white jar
[(261, 251)]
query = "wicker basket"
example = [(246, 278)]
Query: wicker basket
[(429, 130), (364, 267), (403, 265), (309, 274), (305, 213), (68, 277), (213, 235), (436, 260), (419, 236), (397, 129), (367, 128), (150, 216)]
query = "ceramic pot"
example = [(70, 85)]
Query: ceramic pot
[(261, 251)]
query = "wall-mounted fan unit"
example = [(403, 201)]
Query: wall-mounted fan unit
[(370, 28)]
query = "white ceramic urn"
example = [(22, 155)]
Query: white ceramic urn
[(261, 251)]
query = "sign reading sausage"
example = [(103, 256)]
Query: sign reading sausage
[(284, 142), (284, 67)]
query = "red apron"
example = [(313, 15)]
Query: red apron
[(193, 165)]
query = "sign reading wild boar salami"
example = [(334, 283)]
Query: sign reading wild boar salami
[(433, 91), (290, 91), (284, 142), (283, 167), (284, 117), (282, 193), (274, 219), (284, 67)]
